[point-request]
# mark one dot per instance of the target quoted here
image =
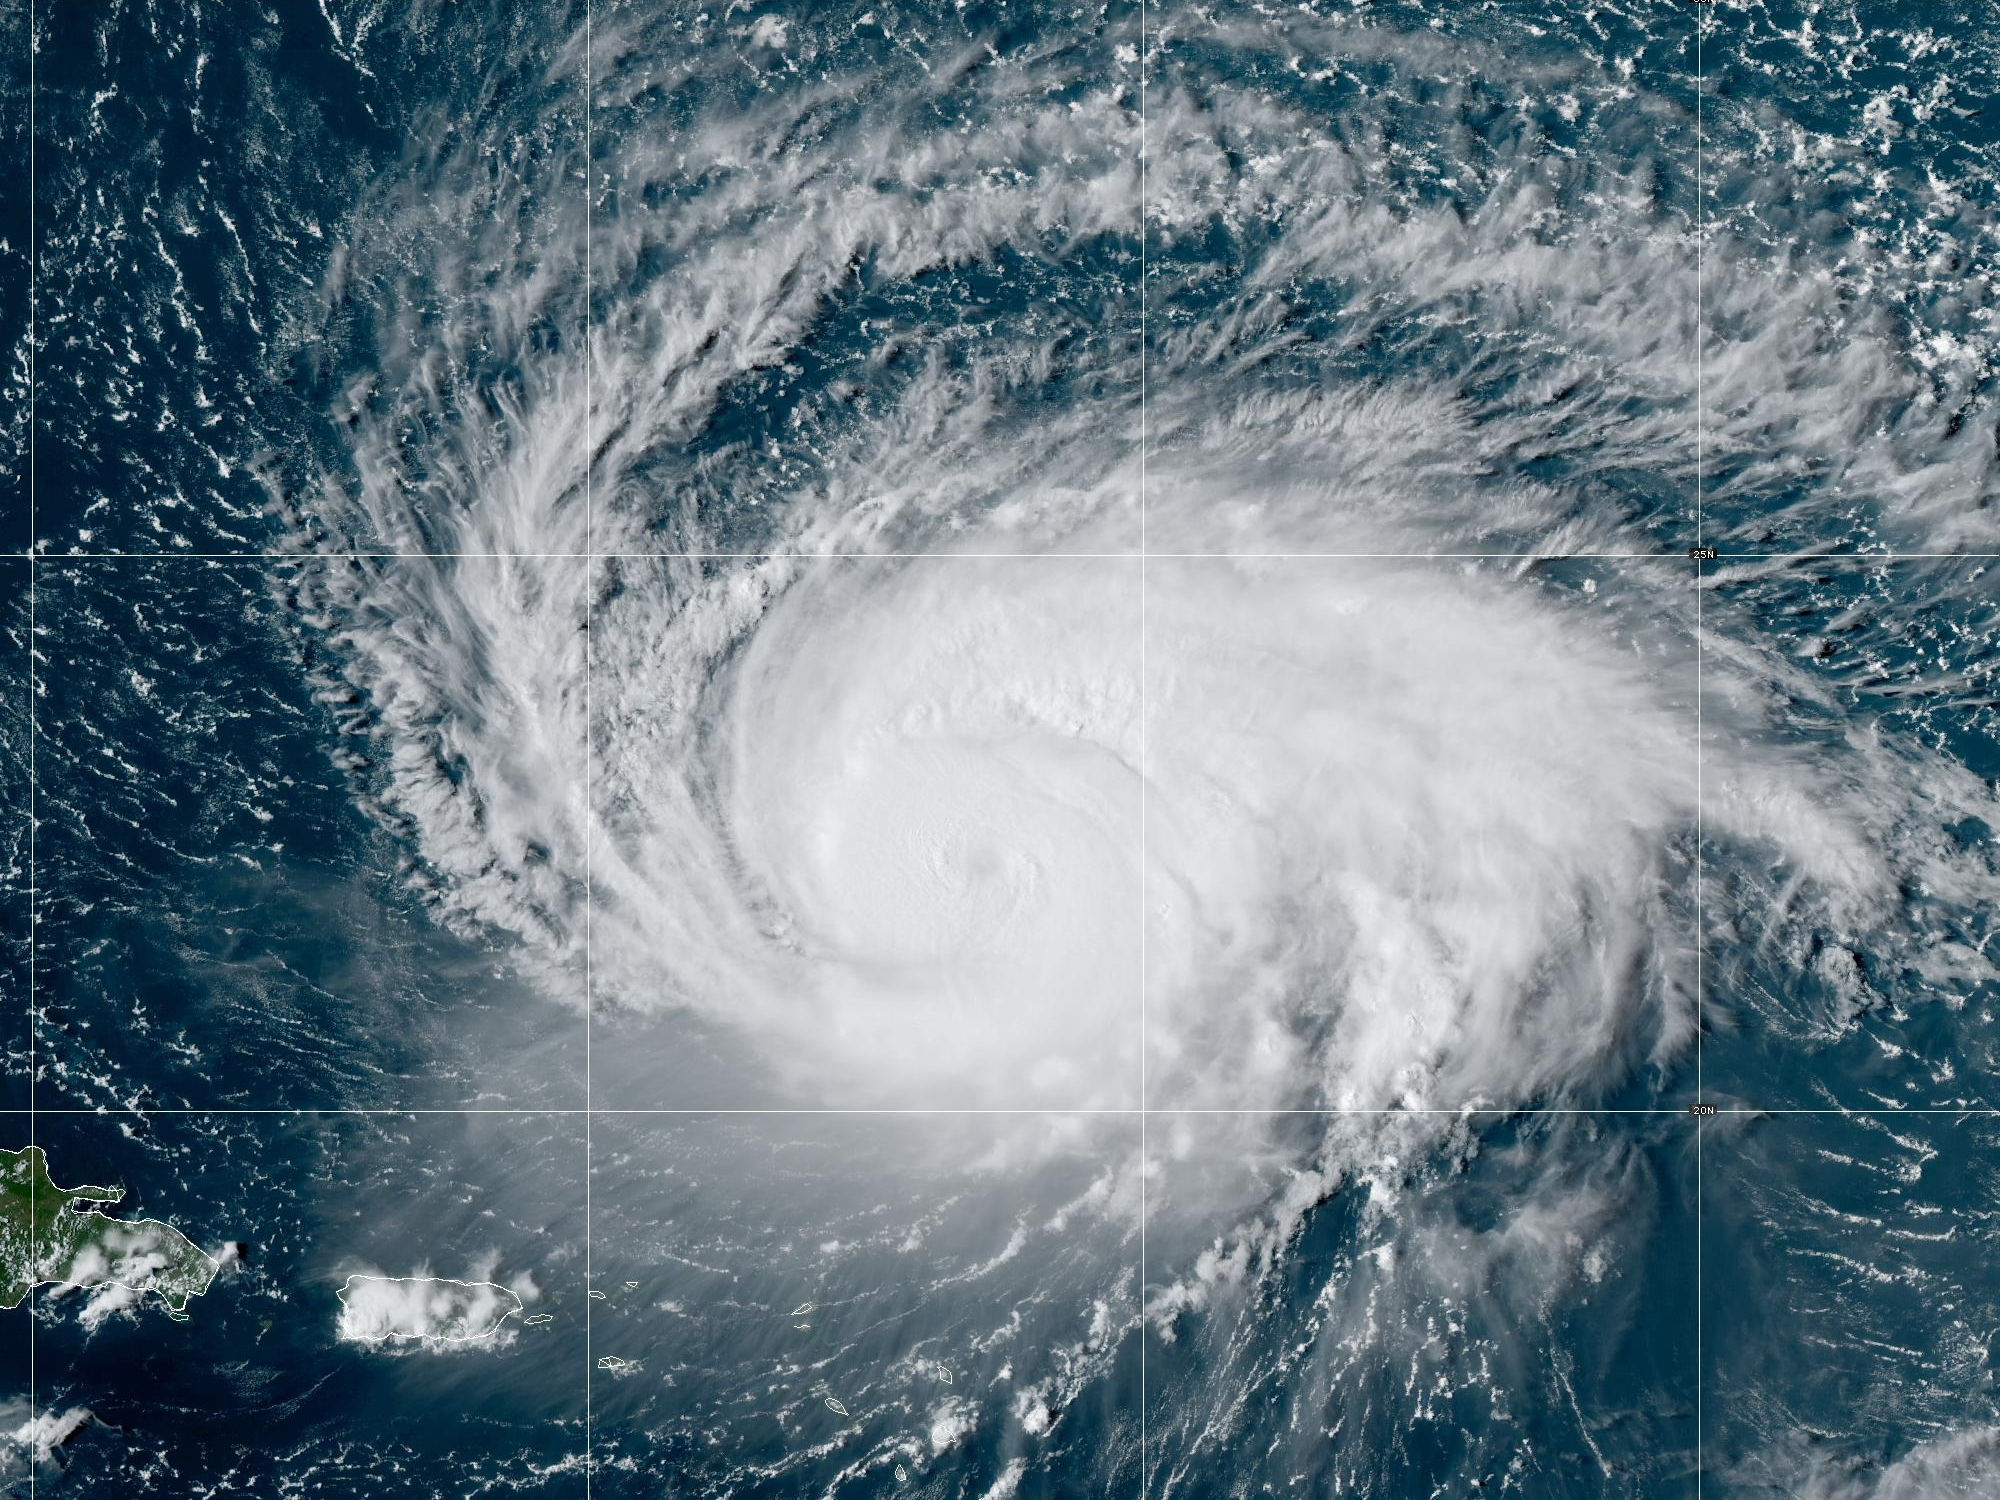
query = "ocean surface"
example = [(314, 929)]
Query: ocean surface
[(1026, 750)]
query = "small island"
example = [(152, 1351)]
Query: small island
[(53, 1235), (431, 1308)]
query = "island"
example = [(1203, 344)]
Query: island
[(431, 1308), (61, 1236)]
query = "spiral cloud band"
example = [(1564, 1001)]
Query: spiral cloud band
[(1394, 818), (1337, 826), (878, 656)]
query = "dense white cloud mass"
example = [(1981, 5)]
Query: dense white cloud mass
[(1960, 1466), (959, 750), (1412, 831), (31, 1440), (946, 846), (434, 1311)]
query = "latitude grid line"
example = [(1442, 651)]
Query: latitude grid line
[(35, 557), (332, 559), (1466, 1111)]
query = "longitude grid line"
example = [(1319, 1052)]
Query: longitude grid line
[(1700, 926), (590, 556), (589, 576), (1144, 769), (34, 895)]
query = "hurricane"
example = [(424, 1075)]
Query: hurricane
[(936, 741), (1086, 582), (1167, 676)]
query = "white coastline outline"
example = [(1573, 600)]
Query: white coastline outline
[(516, 1310), (98, 1193), (179, 1314)]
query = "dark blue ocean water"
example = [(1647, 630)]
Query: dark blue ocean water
[(383, 353)]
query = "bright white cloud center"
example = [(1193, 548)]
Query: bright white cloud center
[(1368, 832)]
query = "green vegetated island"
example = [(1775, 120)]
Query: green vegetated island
[(60, 1235)]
